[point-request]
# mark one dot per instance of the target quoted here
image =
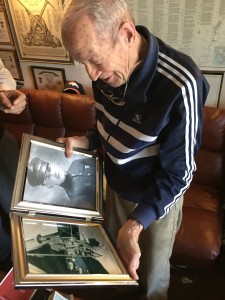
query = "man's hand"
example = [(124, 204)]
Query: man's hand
[(127, 242), (12, 101), (74, 142)]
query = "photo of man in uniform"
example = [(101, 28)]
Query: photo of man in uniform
[(78, 182), (67, 246)]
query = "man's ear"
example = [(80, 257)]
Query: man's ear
[(128, 32)]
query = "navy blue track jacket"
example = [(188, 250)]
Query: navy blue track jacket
[(151, 140)]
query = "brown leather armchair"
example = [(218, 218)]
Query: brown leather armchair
[(198, 240)]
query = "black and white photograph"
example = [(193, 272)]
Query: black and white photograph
[(52, 251), (54, 179), (49, 181), (57, 248), (56, 219)]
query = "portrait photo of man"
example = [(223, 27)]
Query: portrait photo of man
[(53, 179)]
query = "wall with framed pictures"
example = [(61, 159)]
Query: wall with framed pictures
[(23, 48), (8, 52)]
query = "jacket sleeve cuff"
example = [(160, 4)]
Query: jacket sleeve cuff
[(144, 214)]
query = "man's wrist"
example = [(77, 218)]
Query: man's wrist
[(134, 226)]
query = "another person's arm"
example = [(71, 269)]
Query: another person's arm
[(11, 100)]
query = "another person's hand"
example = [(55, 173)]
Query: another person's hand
[(74, 142), (127, 242), (12, 101)]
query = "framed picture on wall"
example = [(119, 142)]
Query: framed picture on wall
[(5, 34), (215, 80), (49, 78), (37, 30), (11, 62)]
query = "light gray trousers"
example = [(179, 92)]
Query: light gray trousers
[(156, 243)]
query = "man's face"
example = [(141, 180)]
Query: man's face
[(102, 59), (53, 175)]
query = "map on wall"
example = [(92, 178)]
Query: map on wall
[(195, 27)]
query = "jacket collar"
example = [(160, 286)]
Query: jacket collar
[(141, 78)]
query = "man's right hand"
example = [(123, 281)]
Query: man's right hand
[(74, 142)]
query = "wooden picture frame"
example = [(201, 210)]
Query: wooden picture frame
[(55, 245), (11, 62), (37, 30), (5, 33), (46, 78)]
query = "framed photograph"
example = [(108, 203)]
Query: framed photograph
[(37, 30), (49, 78), (56, 217), (5, 34), (49, 251), (48, 181), (11, 62)]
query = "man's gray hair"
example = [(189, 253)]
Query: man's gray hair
[(107, 15)]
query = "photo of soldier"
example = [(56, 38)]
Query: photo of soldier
[(75, 254), (79, 181)]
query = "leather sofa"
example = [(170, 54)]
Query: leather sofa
[(51, 114), (198, 240)]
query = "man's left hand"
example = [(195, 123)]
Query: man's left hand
[(12, 101), (127, 243)]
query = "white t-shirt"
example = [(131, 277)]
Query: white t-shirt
[(7, 82)]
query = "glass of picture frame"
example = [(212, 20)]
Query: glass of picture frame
[(5, 33), (36, 32), (56, 220), (11, 62), (46, 78)]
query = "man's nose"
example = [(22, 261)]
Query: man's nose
[(93, 72)]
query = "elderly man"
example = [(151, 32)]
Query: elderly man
[(149, 100), (11, 101)]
